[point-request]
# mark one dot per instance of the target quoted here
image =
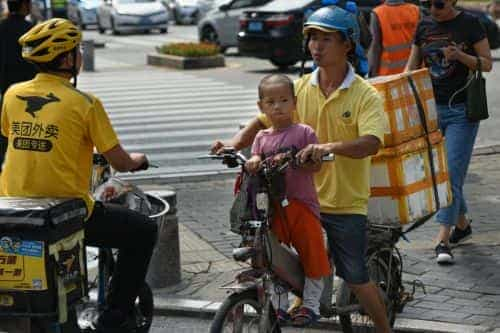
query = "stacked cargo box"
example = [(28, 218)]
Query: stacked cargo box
[(403, 179)]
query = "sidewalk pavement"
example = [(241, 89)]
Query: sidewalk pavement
[(461, 298)]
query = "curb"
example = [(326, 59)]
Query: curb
[(207, 309), (486, 150)]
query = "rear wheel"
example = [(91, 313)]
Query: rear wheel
[(113, 27), (360, 322), (240, 312), (283, 64), (163, 30), (209, 35)]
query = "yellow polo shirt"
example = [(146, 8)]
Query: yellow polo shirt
[(52, 129), (355, 109)]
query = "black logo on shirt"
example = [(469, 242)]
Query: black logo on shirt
[(346, 114), (36, 103)]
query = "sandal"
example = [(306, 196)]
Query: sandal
[(283, 317), (304, 317)]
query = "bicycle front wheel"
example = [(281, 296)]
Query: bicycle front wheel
[(240, 313)]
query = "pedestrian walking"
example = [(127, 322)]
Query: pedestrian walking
[(13, 68), (451, 43), (347, 115), (392, 25)]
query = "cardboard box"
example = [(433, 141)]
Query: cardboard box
[(400, 105), (401, 181)]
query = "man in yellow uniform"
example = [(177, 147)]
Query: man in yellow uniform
[(52, 129), (347, 115)]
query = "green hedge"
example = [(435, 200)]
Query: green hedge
[(194, 50)]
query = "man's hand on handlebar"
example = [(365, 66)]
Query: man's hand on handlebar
[(140, 161), (253, 164), (314, 153), (218, 147)]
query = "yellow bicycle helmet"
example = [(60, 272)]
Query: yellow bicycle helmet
[(45, 41)]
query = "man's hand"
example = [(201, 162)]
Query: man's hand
[(314, 152), (140, 161), (253, 164), (218, 147)]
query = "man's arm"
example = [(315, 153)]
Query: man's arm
[(415, 59), (359, 148), (122, 161), (242, 139)]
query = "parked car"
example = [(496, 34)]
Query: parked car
[(220, 25), (188, 11), (274, 31), (132, 15), (83, 12)]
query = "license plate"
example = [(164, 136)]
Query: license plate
[(255, 26)]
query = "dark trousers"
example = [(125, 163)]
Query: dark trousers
[(134, 235)]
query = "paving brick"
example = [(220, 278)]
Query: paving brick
[(437, 306), (460, 294)]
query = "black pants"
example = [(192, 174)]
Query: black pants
[(134, 235)]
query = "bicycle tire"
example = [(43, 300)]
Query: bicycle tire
[(378, 271), (245, 299)]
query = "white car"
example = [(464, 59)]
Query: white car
[(221, 24), (131, 16), (83, 12)]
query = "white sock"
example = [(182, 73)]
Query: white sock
[(312, 293)]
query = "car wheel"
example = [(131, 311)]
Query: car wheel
[(163, 30), (209, 35), (100, 28), (283, 64), (113, 27)]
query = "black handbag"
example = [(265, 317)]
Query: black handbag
[(477, 105)]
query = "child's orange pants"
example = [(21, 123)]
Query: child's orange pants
[(302, 230)]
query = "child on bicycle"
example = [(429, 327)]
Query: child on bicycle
[(298, 222)]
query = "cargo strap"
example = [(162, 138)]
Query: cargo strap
[(423, 120)]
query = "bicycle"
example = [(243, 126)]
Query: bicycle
[(276, 269)]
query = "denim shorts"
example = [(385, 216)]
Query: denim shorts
[(348, 242)]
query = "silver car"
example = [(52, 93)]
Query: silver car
[(221, 24), (83, 12), (132, 16)]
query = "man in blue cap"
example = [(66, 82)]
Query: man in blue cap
[(347, 115)]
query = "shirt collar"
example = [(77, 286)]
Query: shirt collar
[(51, 77), (346, 84)]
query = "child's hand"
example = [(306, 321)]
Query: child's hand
[(253, 164), (278, 158)]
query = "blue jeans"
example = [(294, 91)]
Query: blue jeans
[(460, 135)]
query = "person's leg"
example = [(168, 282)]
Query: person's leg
[(460, 137), (307, 238), (135, 236), (347, 240)]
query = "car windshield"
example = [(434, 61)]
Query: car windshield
[(136, 1), (282, 5)]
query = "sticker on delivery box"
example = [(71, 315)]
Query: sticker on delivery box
[(24, 248)]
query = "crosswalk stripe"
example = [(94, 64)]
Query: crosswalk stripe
[(152, 127), (180, 109), (172, 117), (166, 103), (180, 118)]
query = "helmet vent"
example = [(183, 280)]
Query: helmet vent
[(72, 34), (59, 40), (42, 52), (35, 43)]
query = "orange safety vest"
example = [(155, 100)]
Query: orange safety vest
[(398, 24)]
